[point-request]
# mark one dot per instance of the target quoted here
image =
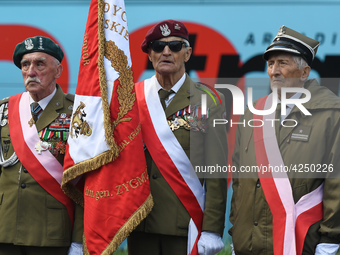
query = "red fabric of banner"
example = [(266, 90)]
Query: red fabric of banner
[(116, 191)]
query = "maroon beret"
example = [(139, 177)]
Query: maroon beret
[(164, 29)]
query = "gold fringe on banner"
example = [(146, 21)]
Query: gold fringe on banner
[(126, 99), (126, 229)]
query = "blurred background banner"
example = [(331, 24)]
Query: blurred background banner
[(228, 38)]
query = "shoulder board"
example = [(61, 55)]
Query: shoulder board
[(202, 86), (4, 100), (70, 97)]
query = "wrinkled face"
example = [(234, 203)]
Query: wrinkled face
[(168, 62), (283, 71), (40, 71)]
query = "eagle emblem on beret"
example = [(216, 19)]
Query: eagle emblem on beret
[(165, 30), (29, 44)]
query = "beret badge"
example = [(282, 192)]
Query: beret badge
[(29, 44), (165, 30)]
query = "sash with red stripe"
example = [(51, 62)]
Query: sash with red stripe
[(290, 221), (170, 158), (44, 167)]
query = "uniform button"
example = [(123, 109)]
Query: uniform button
[(258, 185), (256, 223), (154, 176), (25, 170), (23, 185)]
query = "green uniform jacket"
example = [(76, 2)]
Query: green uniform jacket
[(28, 214), (168, 216), (250, 213)]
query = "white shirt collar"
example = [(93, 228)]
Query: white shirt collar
[(289, 107), (44, 102), (176, 87)]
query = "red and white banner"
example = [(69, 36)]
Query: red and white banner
[(290, 221), (105, 147)]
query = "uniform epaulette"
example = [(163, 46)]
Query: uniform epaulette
[(70, 97), (4, 100), (201, 86)]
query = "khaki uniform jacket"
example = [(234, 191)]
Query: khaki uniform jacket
[(169, 216), (250, 213), (29, 215)]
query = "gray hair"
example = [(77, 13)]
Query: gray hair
[(300, 62), (57, 62)]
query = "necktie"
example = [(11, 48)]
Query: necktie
[(163, 94), (36, 110)]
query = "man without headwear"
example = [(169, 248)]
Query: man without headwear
[(294, 208), (36, 217), (188, 213)]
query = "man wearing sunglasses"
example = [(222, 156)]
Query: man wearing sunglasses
[(189, 209)]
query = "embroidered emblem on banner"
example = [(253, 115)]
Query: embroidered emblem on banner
[(165, 30), (79, 126), (126, 98)]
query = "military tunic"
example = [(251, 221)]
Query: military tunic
[(169, 216), (29, 215), (313, 143)]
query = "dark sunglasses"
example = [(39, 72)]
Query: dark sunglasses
[(174, 46)]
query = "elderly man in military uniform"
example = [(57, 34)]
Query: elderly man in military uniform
[(36, 217), (294, 206), (189, 209)]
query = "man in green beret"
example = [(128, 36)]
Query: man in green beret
[(290, 203), (36, 217)]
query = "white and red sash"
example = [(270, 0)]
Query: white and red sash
[(290, 221), (44, 167), (170, 157)]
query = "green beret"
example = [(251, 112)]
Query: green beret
[(37, 44)]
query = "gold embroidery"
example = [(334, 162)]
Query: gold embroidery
[(79, 125), (126, 96), (120, 189)]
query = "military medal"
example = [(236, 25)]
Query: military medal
[(42, 146), (189, 118), (61, 147), (177, 123), (31, 122), (46, 134), (3, 122)]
